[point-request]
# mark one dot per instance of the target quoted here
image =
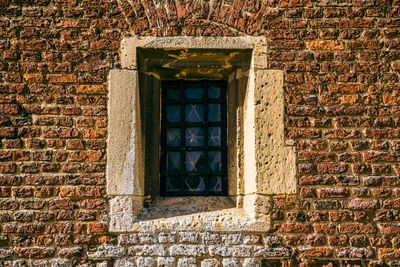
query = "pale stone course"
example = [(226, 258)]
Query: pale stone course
[(125, 262), (234, 239), (166, 262), (166, 238), (251, 263), (146, 262), (188, 237), (59, 263), (230, 263), (107, 251), (210, 263), (147, 238), (147, 250), (187, 262), (187, 250), (128, 239), (272, 252)]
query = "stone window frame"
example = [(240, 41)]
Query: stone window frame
[(262, 162)]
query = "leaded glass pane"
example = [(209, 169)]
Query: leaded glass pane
[(173, 161), (214, 112), (195, 161), (172, 183), (173, 94), (173, 113), (194, 113), (194, 93), (214, 92), (214, 136), (173, 137), (214, 161), (193, 141), (194, 183), (215, 183), (194, 137)]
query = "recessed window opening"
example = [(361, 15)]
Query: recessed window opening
[(193, 138)]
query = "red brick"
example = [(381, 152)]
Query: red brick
[(91, 89), (61, 78), (357, 228)]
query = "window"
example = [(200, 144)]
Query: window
[(193, 138), (260, 162)]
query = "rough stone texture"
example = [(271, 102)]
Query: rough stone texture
[(230, 263), (123, 211), (107, 251), (166, 261), (190, 262), (125, 262), (123, 165), (275, 162)]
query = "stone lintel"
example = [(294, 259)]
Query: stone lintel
[(130, 44)]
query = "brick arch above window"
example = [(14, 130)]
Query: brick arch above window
[(193, 17)]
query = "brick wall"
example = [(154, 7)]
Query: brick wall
[(341, 63)]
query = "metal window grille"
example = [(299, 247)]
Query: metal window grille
[(193, 138)]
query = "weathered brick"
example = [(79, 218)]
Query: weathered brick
[(61, 78)]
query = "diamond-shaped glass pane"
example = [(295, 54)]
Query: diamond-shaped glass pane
[(194, 93), (195, 161), (194, 183), (214, 161), (173, 136), (173, 113), (214, 113), (194, 137), (214, 92), (215, 183), (172, 183), (214, 136), (173, 94), (173, 161), (194, 113)]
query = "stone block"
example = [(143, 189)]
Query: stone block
[(123, 211), (123, 152), (125, 262), (166, 262), (146, 262), (107, 251), (187, 262)]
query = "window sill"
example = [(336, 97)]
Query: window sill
[(194, 214)]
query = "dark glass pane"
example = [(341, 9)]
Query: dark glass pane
[(172, 183), (174, 94), (195, 161), (194, 183), (214, 112), (214, 92), (173, 113), (215, 183), (194, 93), (194, 137), (194, 113), (214, 136), (173, 137), (214, 161), (173, 161)]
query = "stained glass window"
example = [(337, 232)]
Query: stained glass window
[(193, 138)]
